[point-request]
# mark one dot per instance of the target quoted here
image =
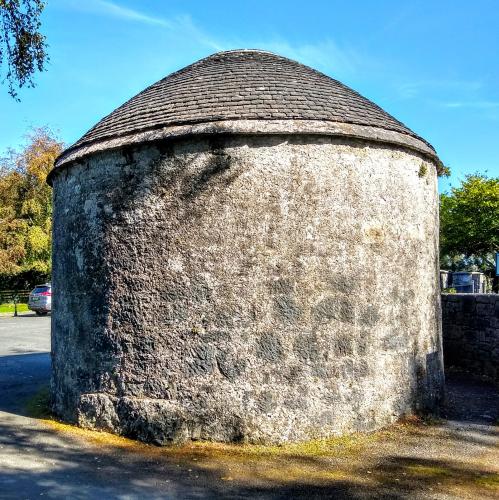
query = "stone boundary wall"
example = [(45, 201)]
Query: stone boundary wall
[(470, 324)]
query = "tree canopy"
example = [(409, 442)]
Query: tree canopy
[(26, 211), (22, 46), (469, 223)]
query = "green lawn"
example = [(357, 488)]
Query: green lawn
[(9, 308)]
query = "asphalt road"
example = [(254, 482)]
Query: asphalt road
[(24, 359), (456, 459)]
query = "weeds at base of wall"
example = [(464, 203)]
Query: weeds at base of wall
[(38, 406)]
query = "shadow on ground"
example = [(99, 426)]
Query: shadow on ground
[(454, 459), (470, 400), (21, 376), (62, 468)]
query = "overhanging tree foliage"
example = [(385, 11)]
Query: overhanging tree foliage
[(469, 223), (26, 211), (22, 46)]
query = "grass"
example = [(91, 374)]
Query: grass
[(428, 471), (39, 405), (9, 308), (491, 481)]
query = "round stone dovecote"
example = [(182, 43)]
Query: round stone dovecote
[(247, 250)]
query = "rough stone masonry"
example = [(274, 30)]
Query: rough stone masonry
[(261, 279), (471, 333)]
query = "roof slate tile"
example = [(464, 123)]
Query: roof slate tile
[(241, 84)]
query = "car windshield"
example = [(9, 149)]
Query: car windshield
[(41, 289)]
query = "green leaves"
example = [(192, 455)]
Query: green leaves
[(26, 206), (469, 220), (22, 46)]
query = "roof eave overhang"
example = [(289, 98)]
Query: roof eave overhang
[(249, 127)]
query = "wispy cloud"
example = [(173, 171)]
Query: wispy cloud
[(409, 90), (188, 28), (326, 55), (118, 11), (471, 104), (451, 94), (183, 26)]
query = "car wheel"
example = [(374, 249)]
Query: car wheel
[(40, 313)]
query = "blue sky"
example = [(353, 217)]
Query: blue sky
[(433, 65)]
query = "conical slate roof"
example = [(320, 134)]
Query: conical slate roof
[(244, 91)]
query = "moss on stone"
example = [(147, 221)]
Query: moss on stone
[(38, 406), (489, 481), (423, 170), (428, 471)]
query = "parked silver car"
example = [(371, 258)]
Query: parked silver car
[(40, 299)]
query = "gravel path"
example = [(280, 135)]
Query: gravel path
[(470, 400)]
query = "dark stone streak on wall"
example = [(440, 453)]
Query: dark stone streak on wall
[(470, 324)]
